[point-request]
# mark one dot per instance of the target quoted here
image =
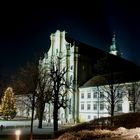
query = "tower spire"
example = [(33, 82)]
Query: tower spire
[(113, 48)]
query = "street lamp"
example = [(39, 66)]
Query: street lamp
[(17, 133)]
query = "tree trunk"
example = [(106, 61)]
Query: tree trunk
[(55, 117), (134, 106), (112, 101), (112, 109), (112, 113), (40, 115)]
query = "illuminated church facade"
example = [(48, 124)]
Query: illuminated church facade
[(87, 99), (85, 102)]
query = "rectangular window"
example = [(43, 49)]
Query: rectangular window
[(88, 106), (89, 117), (71, 79), (130, 107), (102, 106), (119, 93), (130, 94), (82, 95), (70, 102), (95, 117), (94, 106), (82, 106), (119, 107), (95, 95), (101, 95), (89, 95)]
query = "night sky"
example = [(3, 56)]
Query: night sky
[(25, 28)]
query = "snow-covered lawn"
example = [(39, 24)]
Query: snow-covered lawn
[(118, 134)]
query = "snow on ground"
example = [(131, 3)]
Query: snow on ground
[(129, 133)]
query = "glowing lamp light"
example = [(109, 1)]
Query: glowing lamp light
[(17, 133)]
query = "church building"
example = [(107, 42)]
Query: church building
[(81, 59)]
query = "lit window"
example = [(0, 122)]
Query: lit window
[(82, 95), (89, 95)]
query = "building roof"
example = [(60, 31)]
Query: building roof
[(118, 63), (123, 70), (114, 78), (85, 49)]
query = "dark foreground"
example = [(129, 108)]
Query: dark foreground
[(26, 137)]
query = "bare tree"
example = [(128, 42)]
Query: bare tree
[(44, 93), (113, 94), (60, 87), (25, 82), (110, 81)]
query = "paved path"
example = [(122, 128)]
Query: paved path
[(9, 127), (48, 130), (19, 123)]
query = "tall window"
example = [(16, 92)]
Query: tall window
[(94, 106), (70, 106), (130, 94), (82, 95), (119, 107), (89, 117), (95, 95), (101, 95), (88, 106), (89, 95), (82, 106), (71, 79), (119, 93), (101, 106), (130, 107)]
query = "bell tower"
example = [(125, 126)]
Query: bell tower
[(113, 48)]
